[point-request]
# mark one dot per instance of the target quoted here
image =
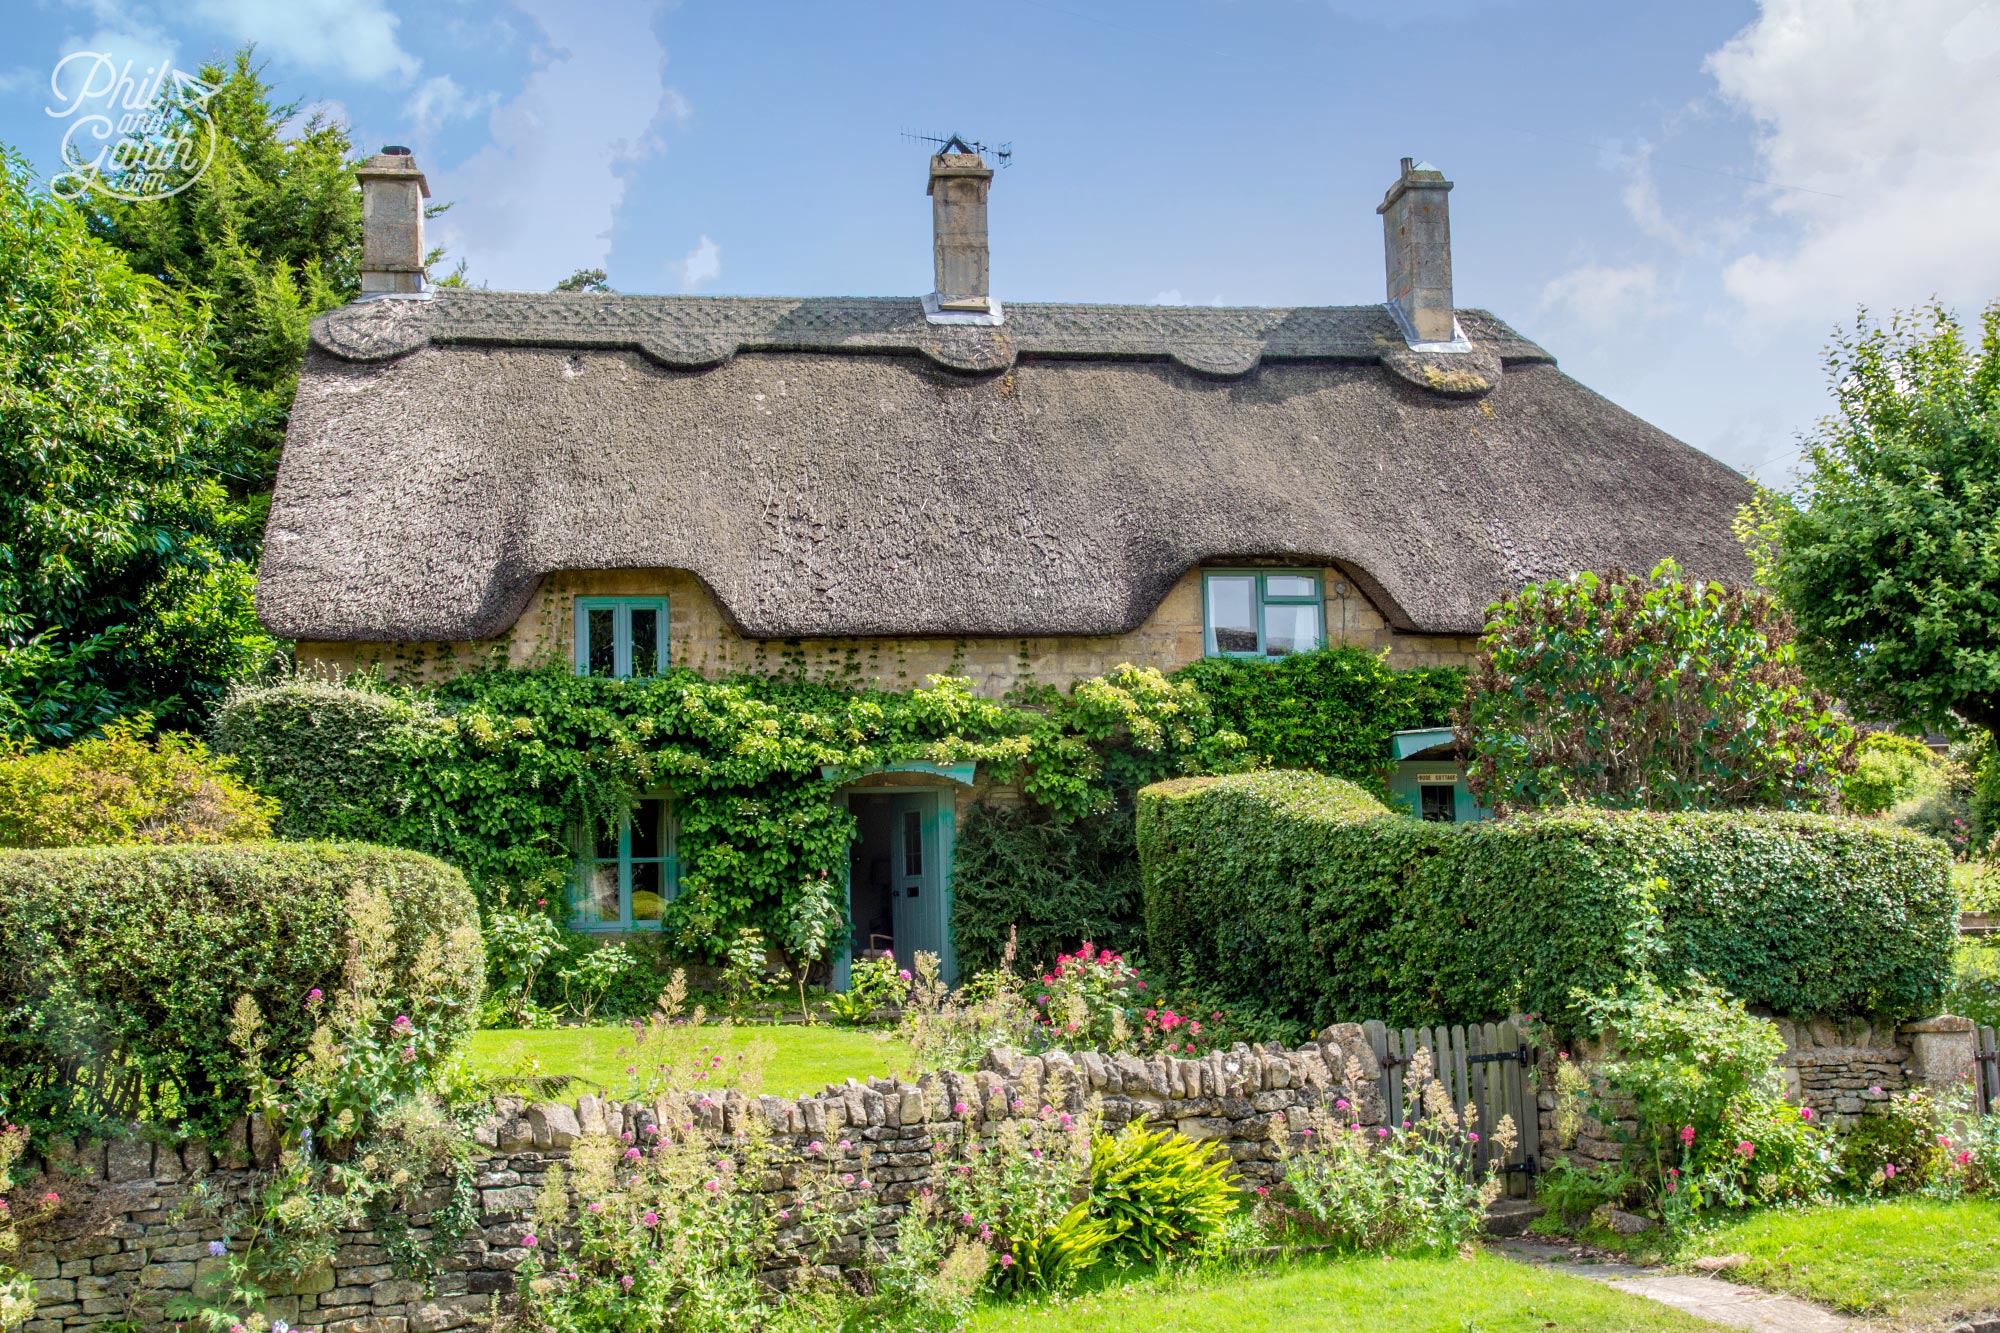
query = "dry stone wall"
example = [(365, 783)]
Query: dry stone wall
[(138, 1219)]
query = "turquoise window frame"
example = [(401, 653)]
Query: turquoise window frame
[(587, 861), (621, 609), (1264, 601)]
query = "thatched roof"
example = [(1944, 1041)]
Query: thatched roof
[(837, 467)]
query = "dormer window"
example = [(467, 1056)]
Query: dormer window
[(1262, 612), (621, 636)]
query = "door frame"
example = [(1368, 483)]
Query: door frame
[(940, 826)]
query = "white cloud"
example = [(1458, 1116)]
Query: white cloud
[(703, 264), (1172, 296), (675, 107), (21, 79), (1602, 297), (439, 100), (1881, 116), (352, 37), (540, 200)]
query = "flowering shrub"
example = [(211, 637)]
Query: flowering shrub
[(1095, 998), (1025, 1194), (1394, 1187), (1900, 1147)]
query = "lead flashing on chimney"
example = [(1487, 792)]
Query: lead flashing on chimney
[(991, 318), (1459, 342)]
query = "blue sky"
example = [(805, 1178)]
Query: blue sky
[(1679, 200)]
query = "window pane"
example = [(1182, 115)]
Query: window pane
[(647, 844), (602, 907), (913, 843), (1232, 613), (1290, 585), (1291, 628), (645, 641), (647, 900), (1438, 803), (600, 641)]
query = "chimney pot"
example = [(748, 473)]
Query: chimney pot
[(392, 222), (1416, 240), (958, 186)]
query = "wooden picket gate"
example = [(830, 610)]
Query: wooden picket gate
[(1485, 1066), (1986, 1067)]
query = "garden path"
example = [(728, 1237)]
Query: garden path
[(1705, 1297)]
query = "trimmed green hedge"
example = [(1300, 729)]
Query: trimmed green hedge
[(1054, 884), (1304, 895), (119, 967)]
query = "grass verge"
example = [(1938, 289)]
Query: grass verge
[(1482, 1294), (1904, 1258), (798, 1059)]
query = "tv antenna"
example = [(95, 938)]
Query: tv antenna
[(1002, 154)]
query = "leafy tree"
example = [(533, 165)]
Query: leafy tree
[(1652, 693), (1888, 556), (122, 788), (270, 232), (585, 280), (126, 564)]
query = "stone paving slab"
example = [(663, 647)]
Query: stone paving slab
[(1704, 1297)]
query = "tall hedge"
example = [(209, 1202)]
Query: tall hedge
[(119, 967), (1305, 895)]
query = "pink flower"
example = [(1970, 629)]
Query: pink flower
[(959, 1108), (631, 1154), (1340, 1103), (1006, 1261), (1889, 1171), (51, 1199), (845, 1145), (314, 996), (530, 1241), (904, 975), (713, 1186), (847, 1178), (1382, 1133), (1876, 1092), (626, 1282), (1805, 1113), (865, 1185), (814, 1146), (1473, 1137), (651, 1219), (784, 1214), (1263, 1190), (1746, 1149), (596, 1207), (965, 1219), (1964, 1158), (1142, 985), (402, 1022), (1687, 1135)]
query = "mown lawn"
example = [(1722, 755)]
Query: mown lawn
[(1905, 1258), (1312, 1295), (795, 1059)]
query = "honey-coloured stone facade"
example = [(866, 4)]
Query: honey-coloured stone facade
[(701, 636)]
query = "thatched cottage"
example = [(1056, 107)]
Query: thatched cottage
[(893, 487)]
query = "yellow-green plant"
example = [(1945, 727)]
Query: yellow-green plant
[(1162, 1194), (122, 788)]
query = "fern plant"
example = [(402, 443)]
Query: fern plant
[(1158, 1191), (1053, 1259)]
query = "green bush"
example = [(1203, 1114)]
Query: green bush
[(1889, 769), (120, 967), (1055, 883), (122, 788), (1329, 711), (1305, 894)]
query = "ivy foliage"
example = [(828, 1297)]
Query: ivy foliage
[(1656, 693), (1304, 895), (120, 968), (1888, 555), (497, 771)]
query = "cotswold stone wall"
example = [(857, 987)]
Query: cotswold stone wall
[(1842, 1069), (137, 1219)]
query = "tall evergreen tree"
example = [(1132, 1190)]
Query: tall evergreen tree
[(270, 233)]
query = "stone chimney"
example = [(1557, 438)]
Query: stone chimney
[(1416, 235), (959, 181), (392, 222)]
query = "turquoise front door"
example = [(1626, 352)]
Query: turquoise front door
[(899, 878)]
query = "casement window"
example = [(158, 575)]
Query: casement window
[(621, 636), (626, 876), (1261, 612)]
